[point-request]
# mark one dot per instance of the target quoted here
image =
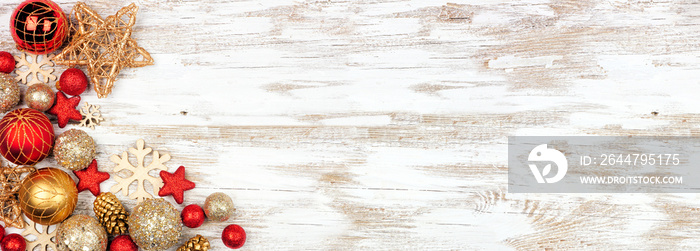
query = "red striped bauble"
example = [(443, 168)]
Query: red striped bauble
[(26, 136)]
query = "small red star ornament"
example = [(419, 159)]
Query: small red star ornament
[(175, 184), (90, 178), (64, 109)]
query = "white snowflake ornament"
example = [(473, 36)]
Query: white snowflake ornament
[(139, 173), (34, 68), (91, 115), (42, 239)]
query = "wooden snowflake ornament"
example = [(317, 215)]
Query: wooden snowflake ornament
[(44, 239), (34, 68), (139, 173), (91, 115)]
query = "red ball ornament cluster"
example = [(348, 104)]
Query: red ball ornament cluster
[(26, 136), (39, 26)]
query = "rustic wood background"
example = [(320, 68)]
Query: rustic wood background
[(382, 124)]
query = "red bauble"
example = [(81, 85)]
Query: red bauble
[(13, 242), (73, 82), (39, 26), (26, 136), (7, 62), (233, 236), (2, 233), (123, 243), (192, 216)]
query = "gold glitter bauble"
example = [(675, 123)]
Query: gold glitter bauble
[(155, 225), (9, 92), (48, 196), (81, 232), (39, 97), (74, 149), (218, 207)]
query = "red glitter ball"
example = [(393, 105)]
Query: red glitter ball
[(123, 243), (192, 216), (13, 242), (175, 184), (233, 236), (90, 179), (2, 233), (73, 82), (26, 136), (64, 109), (7, 62)]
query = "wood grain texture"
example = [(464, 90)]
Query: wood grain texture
[(382, 124)]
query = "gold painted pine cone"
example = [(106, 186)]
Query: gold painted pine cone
[(111, 214), (197, 243)]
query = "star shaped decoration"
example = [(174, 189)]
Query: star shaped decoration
[(105, 46), (175, 184), (64, 109), (10, 180), (90, 179)]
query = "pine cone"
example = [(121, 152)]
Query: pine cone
[(197, 243), (111, 214)]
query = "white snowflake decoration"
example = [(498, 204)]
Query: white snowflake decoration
[(44, 239), (91, 115), (139, 173), (34, 69)]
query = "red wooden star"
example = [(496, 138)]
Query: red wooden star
[(64, 109), (175, 184), (90, 178)]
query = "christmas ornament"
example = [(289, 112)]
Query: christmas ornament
[(91, 115), (123, 243), (13, 242), (7, 62), (10, 180), (81, 232), (39, 26), (192, 216), (64, 109), (2, 233), (233, 236), (90, 178), (74, 149), (9, 93), (72, 82), (218, 207), (155, 225), (34, 68), (139, 172), (42, 239), (48, 196), (39, 97), (111, 213), (104, 45), (175, 184), (26, 136), (197, 243)]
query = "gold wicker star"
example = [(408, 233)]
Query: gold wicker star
[(105, 46), (10, 180)]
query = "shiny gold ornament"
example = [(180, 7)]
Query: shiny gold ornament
[(81, 232), (39, 97), (218, 207), (9, 93), (111, 213), (155, 224), (48, 196), (10, 180), (197, 243), (74, 149)]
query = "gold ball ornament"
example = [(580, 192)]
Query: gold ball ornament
[(9, 92), (81, 232), (39, 97), (219, 207), (48, 196), (155, 225), (74, 149)]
